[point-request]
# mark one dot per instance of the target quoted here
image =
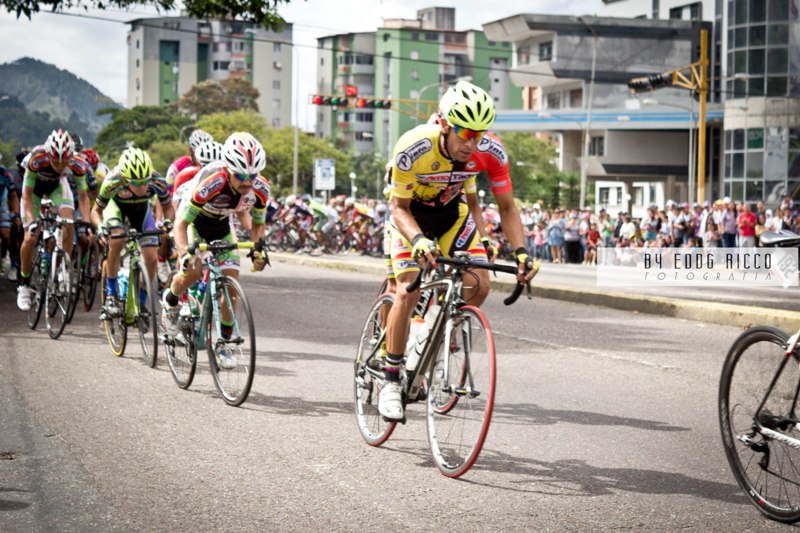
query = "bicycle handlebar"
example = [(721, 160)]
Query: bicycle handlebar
[(460, 262), (224, 246), (133, 234)]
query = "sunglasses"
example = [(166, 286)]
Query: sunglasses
[(467, 134), (245, 177), (139, 183)]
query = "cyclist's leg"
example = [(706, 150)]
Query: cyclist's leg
[(229, 264), (113, 221), (184, 279), (463, 236), (65, 204), (145, 221), (29, 241), (5, 227)]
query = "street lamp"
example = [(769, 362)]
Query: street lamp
[(585, 165), (353, 188), (426, 87)]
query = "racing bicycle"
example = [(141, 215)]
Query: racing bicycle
[(455, 375)]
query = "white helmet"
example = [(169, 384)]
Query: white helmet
[(199, 137), (290, 200), (349, 202), (243, 154), (208, 152), (59, 146)]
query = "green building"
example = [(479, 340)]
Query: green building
[(407, 61)]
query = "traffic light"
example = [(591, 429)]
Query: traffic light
[(340, 101), (650, 83), (373, 103)]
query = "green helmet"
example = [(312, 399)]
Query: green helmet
[(468, 106), (135, 165)]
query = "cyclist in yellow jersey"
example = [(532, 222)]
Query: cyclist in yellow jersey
[(432, 189)]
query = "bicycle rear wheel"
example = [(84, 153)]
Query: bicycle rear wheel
[(91, 273), (758, 398), (115, 328), (59, 294), (368, 366), (466, 388), (149, 314), (182, 359), (237, 349)]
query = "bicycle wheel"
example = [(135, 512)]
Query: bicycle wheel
[(91, 273), (456, 435), (38, 285), (758, 397), (59, 293), (75, 290), (115, 328), (147, 318), (367, 383), (232, 356)]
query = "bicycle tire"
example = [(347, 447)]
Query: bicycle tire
[(146, 323), (38, 285), (90, 276), (75, 291), (762, 465), (233, 384), (115, 328), (59, 294), (457, 436), (374, 429)]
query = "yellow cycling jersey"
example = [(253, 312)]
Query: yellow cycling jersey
[(420, 171)]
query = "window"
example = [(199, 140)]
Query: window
[(363, 117), (276, 84), (276, 103), (138, 84), (238, 46), (597, 146), (576, 98), (363, 136), (137, 62), (137, 44), (429, 36), (552, 101), (604, 195), (276, 48), (414, 74), (415, 36), (228, 46), (695, 11), (276, 123), (363, 60), (414, 55), (676, 13), (546, 51)]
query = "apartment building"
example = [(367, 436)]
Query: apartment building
[(167, 55), (412, 60)]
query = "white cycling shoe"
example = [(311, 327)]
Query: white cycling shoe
[(24, 297), (390, 402)]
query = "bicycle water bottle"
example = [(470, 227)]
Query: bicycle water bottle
[(418, 332), (122, 283)]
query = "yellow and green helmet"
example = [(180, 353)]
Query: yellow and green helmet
[(135, 165), (468, 106)]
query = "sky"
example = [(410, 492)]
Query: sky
[(96, 50)]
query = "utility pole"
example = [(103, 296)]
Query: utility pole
[(587, 137)]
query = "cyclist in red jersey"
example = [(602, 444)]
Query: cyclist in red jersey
[(197, 138)]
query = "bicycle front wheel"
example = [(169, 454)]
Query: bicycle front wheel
[(75, 290), (149, 313), (368, 371), (115, 328), (91, 273), (59, 294), (38, 286), (232, 346), (758, 398), (461, 393)]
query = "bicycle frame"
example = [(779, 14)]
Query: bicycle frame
[(131, 299)]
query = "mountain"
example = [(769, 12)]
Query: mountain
[(42, 87)]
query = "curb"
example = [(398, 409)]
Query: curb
[(741, 316)]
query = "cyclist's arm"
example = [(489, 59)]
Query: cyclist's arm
[(510, 220), (403, 219), (97, 216), (27, 196), (477, 214), (180, 235), (83, 201)]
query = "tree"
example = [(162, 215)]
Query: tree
[(370, 169), (261, 12), (531, 166), (209, 96), (143, 126)]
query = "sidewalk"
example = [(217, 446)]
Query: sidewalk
[(576, 283)]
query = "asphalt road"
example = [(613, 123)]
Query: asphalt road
[(605, 420)]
